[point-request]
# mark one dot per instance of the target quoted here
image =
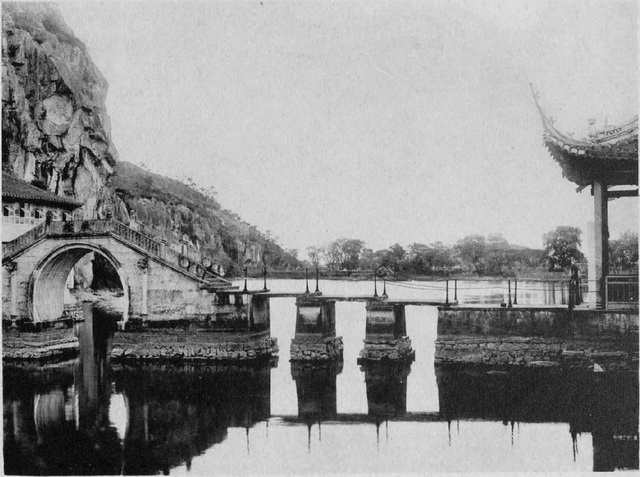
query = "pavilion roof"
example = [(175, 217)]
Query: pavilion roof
[(609, 154), (16, 189)]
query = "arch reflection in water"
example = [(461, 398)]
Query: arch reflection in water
[(157, 418), (605, 405), (85, 417)]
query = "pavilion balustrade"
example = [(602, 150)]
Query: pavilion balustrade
[(621, 292)]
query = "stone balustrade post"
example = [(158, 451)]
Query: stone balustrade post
[(143, 265), (12, 269)]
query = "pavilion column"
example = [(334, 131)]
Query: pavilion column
[(601, 240)]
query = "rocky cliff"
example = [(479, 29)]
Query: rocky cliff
[(55, 129), (56, 135)]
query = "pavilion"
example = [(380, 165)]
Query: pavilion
[(608, 162)]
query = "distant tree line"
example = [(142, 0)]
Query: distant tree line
[(474, 254)]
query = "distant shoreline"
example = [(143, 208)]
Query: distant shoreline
[(368, 276)]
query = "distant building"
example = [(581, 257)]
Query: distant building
[(24, 206)]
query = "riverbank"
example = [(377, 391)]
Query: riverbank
[(367, 275)]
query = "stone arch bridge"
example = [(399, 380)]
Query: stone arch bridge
[(156, 280)]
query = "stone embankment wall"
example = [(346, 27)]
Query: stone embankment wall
[(53, 344), (537, 337), (192, 346)]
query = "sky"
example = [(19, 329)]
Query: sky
[(390, 122)]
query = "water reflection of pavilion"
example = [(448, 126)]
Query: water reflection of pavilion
[(605, 405)]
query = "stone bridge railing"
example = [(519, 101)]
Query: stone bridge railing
[(23, 241), (92, 228)]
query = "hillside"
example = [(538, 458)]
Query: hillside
[(182, 213), (56, 135)]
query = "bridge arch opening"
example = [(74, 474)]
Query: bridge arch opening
[(46, 298)]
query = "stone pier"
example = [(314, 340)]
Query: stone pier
[(238, 329), (386, 333), (315, 337)]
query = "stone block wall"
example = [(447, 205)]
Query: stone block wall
[(544, 322), (316, 349), (537, 337), (378, 349), (52, 344), (192, 346)]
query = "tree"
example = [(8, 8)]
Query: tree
[(344, 253), (333, 255), (367, 260), (472, 251), (391, 257), (293, 252), (442, 260), (420, 258), (497, 253), (561, 247), (623, 252), (351, 249), (315, 253)]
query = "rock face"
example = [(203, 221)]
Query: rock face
[(56, 135), (55, 129)]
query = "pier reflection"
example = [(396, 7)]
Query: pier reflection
[(603, 404), (87, 417), (153, 419), (386, 388), (177, 412), (316, 390)]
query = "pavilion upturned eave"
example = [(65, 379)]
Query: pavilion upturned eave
[(609, 154)]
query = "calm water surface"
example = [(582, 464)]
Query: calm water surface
[(89, 417)]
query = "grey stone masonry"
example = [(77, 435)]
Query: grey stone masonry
[(387, 349), (316, 350), (385, 333), (315, 338), (51, 345), (192, 346), (537, 337)]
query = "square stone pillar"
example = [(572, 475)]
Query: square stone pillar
[(386, 333), (315, 337)]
